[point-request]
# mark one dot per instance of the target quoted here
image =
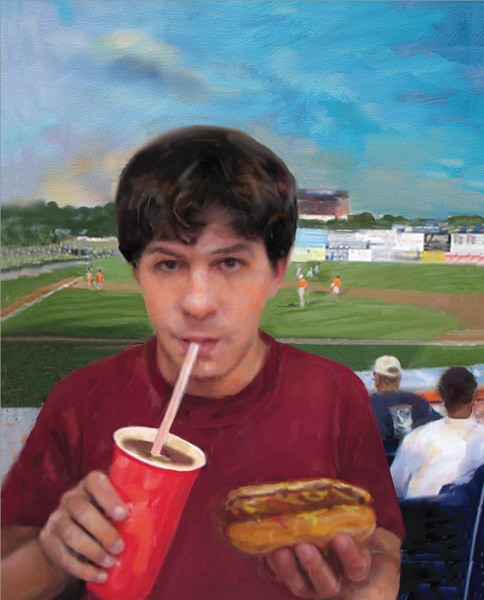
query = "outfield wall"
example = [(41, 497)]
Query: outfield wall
[(386, 246)]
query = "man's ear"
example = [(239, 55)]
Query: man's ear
[(279, 270)]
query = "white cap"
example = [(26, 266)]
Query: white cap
[(389, 366)]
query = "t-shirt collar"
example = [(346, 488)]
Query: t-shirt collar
[(208, 412)]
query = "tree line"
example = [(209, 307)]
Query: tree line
[(42, 223), (367, 220)]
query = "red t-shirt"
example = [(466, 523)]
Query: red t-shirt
[(302, 416)]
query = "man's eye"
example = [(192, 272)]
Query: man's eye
[(230, 264), (167, 265)]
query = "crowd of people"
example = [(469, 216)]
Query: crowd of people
[(207, 256), (446, 450), (432, 449)]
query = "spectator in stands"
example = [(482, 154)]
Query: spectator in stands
[(473, 458), (429, 457), (397, 411), (478, 410)]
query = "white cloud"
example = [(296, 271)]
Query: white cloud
[(129, 42), (474, 179)]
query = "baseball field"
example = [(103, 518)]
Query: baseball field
[(429, 315)]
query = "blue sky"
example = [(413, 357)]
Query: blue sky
[(383, 99)]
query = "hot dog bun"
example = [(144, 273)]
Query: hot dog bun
[(264, 517)]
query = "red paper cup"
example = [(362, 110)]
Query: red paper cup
[(155, 494)]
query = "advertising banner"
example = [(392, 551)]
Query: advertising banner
[(359, 255)]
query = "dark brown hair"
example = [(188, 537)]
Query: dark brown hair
[(167, 188), (457, 386)]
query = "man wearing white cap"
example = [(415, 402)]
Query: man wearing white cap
[(397, 411)]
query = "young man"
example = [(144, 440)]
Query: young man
[(429, 457), (207, 217)]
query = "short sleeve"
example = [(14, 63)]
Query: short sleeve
[(44, 468)]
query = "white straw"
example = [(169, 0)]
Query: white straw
[(175, 399)]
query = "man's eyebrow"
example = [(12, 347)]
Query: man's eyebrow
[(238, 247), (159, 249)]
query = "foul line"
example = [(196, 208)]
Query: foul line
[(40, 298)]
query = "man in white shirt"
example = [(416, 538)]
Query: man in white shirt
[(474, 456), (429, 457)]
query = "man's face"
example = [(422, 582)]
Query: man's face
[(212, 292)]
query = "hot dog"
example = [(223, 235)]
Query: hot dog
[(261, 518)]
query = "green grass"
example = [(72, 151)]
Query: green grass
[(115, 269), (121, 315), (351, 318), (29, 370), (83, 314), (13, 289), (425, 277)]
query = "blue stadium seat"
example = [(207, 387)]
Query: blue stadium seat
[(443, 554), (475, 578), (391, 447)]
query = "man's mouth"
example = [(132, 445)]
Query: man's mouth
[(207, 344)]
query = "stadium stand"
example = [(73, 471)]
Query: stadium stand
[(443, 552)]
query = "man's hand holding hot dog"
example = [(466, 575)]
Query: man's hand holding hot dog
[(318, 536), (347, 569)]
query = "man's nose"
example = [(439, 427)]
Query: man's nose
[(199, 300)]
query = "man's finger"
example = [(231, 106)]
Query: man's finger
[(323, 579), (284, 564), (98, 486), (88, 517), (355, 559), (61, 557)]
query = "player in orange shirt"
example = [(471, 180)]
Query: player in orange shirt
[(100, 279), (336, 286), (302, 285)]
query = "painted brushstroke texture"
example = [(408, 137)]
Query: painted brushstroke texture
[(384, 99)]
